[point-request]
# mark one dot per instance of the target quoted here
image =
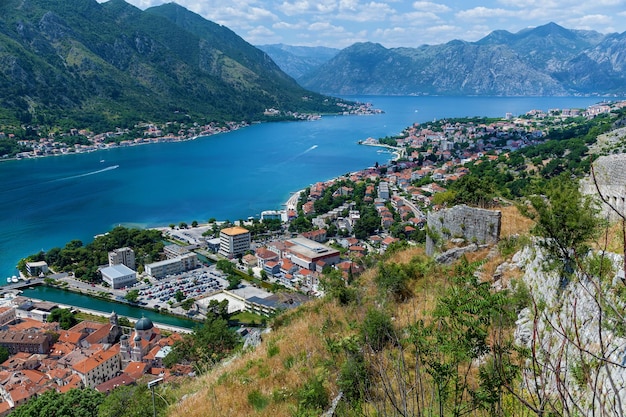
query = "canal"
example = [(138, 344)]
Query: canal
[(56, 295)]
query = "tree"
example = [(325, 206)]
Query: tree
[(233, 282), (194, 223), (218, 308), (208, 344), (127, 401), (4, 354), (64, 317), (74, 403), (132, 296), (179, 296), (566, 220), (187, 304)]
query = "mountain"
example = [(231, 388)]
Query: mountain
[(298, 60), (547, 60), (89, 64)]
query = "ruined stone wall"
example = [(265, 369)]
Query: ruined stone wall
[(472, 224), (610, 174)]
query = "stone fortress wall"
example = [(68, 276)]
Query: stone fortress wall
[(610, 173), (472, 224)]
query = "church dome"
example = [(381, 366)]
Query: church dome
[(144, 324)]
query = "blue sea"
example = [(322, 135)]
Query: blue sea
[(47, 202)]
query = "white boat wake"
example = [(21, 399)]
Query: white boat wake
[(109, 168)]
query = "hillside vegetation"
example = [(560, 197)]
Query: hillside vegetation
[(85, 64), (404, 337)]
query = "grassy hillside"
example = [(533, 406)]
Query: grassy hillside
[(361, 347), (84, 64)]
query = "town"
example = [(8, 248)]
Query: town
[(260, 265), (40, 143)]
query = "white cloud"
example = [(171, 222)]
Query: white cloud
[(481, 13), (370, 12), (431, 7)]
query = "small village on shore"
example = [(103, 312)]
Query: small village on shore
[(83, 140), (319, 230)]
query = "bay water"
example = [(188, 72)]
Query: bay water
[(46, 202)]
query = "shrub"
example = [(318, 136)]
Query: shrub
[(312, 397), (377, 329), (257, 400)]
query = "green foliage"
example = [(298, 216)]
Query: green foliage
[(187, 304), (64, 317), (566, 220), (334, 286), (312, 398), (206, 345), (257, 400), (393, 279), (131, 401), (132, 296), (473, 190), (600, 266), (354, 378), (233, 282), (4, 354), (377, 329), (218, 309), (74, 403), (84, 260)]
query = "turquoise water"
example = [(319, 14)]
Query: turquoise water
[(47, 202), (79, 300)]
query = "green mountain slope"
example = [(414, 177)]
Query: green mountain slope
[(86, 64)]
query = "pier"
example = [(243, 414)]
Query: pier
[(20, 285)]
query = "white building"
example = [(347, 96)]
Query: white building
[(234, 241), (99, 367), (118, 276), (122, 256), (33, 269), (172, 266)]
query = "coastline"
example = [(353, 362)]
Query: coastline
[(397, 152)]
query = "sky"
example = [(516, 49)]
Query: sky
[(396, 23)]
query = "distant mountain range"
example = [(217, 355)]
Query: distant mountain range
[(547, 60), (84, 63)]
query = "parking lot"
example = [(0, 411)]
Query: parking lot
[(161, 293)]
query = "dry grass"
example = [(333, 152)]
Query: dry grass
[(298, 350), (285, 361), (514, 223), (612, 239)]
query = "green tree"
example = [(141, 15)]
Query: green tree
[(74, 403), (187, 304), (129, 401), (132, 296), (64, 317), (4, 354), (179, 296), (566, 219)]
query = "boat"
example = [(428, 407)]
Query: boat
[(9, 279), (14, 279)]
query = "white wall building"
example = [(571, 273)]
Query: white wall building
[(234, 241), (172, 266), (118, 276), (122, 256)]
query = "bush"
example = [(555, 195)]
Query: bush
[(354, 378), (312, 397), (377, 329), (257, 400)]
